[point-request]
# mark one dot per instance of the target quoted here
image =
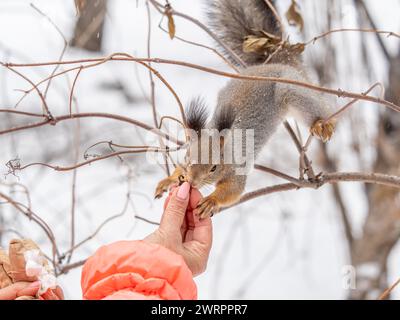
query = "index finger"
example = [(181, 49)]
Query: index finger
[(195, 197), (174, 213), (201, 230)]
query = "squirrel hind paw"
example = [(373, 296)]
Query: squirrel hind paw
[(323, 129)]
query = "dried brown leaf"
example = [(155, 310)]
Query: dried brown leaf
[(255, 44), (171, 22), (294, 17), (171, 26), (323, 130)]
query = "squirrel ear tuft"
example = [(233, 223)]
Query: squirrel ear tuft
[(225, 119), (196, 114)]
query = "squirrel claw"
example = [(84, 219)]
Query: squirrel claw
[(323, 130), (162, 187), (207, 207)]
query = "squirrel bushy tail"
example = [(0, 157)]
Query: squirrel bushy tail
[(235, 20), (252, 31)]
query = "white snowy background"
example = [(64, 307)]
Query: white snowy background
[(283, 246)]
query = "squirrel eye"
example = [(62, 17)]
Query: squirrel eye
[(213, 168)]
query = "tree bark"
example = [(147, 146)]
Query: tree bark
[(381, 229), (88, 32)]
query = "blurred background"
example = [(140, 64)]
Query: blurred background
[(337, 242)]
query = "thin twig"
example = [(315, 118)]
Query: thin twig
[(152, 87), (297, 182), (64, 49), (69, 267), (94, 115), (330, 165), (39, 221), (98, 229), (387, 292), (275, 13), (305, 163), (205, 47), (336, 177), (76, 160), (44, 103), (388, 33), (71, 95), (24, 113), (147, 220), (160, 8), (99, 158), (97, 62), (339, 93), (363, 6), (348, 105)]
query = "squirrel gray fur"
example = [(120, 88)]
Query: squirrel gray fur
[(248, 104)]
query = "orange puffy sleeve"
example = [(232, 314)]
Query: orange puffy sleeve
[(136, 270)]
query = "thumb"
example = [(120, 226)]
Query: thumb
[(175, 211), (29, 290)]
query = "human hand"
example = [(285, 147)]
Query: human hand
[(29, 289), (16, 279), (19, 289), (182, 231)]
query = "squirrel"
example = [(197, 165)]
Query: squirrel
[(247, 104)]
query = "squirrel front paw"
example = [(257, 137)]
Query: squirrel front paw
[(323, 129), (207, 207)]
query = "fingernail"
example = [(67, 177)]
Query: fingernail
[(183, 191), (35, 284)]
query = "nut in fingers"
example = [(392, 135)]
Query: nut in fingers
[(323, 129)]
